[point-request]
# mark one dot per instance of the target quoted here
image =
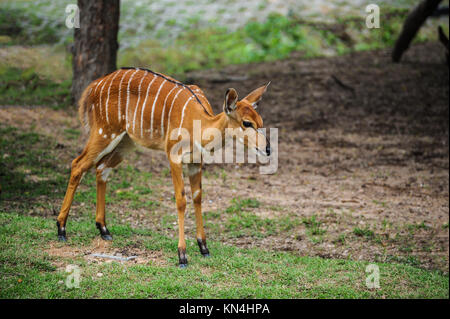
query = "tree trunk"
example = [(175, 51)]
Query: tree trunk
[(95, 42), (412, 24)]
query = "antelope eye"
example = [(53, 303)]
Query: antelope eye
[(247, 124)]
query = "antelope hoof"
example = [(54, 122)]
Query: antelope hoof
[(61, 232), (106, 237), (104, 232), (182, 258), (203, 249)]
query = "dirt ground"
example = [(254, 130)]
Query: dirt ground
[(362, 141), (363, 147), (103, 248)]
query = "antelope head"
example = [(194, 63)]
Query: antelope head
[(245, 121)]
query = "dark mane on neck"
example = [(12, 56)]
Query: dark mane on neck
[(171, 81)]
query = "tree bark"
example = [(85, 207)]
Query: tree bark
[(95, 42), (412, 24)]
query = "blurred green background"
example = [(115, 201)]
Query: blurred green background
[(175, 37)]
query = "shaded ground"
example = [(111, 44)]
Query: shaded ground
[(363, 163)]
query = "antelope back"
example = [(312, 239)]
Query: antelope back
[(143, 103)]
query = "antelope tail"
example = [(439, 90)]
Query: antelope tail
[(85, 109)]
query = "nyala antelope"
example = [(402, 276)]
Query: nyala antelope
[(134, 105)]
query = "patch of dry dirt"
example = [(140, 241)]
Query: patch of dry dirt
[(99, 246)]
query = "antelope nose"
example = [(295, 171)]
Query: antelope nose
[(268, 150)]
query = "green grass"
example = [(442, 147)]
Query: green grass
[(276, 38), (241, 221), (13, 30), (72, 134), (364, 232), (28, 271), (313, 226), (26, 87), (248, 224), (33, 185), (28, 168), (239, 204), (216, 47), (419, 226)]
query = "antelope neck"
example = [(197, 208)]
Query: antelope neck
[(219, 122)]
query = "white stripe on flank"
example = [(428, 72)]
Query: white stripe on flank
[(170, 110), (107, 99), (118, 99), (145, 103), (163, 110), (137, 103), (101, 93), (153, 107), (111, 146), (100, 82), (182, 112), (128, 98)]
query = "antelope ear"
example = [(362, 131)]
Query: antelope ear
[(231, 97), (254, 97)]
